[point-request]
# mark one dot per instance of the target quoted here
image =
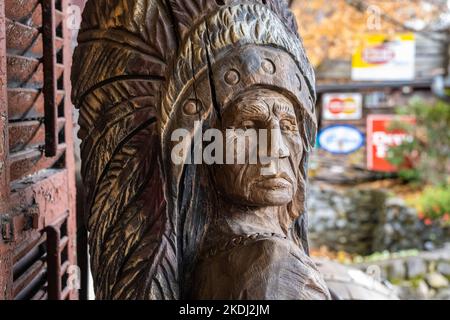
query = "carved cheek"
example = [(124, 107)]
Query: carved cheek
[(295, 145), (233, 180)]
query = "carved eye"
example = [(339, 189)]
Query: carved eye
[(248, 124), (192, 107), (288, 125), (232, 77)]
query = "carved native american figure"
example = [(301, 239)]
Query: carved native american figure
[(161, 229)]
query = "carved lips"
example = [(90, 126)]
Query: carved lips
[(275, 183), (280, 181)]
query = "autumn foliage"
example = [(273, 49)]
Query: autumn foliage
[(330, 28)]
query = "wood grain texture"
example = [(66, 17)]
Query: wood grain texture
[(138, 66)]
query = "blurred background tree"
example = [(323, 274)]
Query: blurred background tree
[(426, 157), (328, 28)]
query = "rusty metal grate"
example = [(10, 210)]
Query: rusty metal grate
[(57, 260), (37, 180), (29, 271), (35, 68), (40, 267)]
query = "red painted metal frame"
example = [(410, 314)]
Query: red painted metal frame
[(35, 209), (70, 152), (54, 263), (50, 80), (6, 262), (4, 145)]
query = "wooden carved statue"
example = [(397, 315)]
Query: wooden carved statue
[(165, 229)]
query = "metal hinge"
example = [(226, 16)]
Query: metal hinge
[(7, 228), (11, 226)]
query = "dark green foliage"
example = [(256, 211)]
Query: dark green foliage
[(425, 158)]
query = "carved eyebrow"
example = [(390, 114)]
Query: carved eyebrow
[(255, 110), (284, 109)]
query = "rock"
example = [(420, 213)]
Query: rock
[(395, 202), (444, 268), (353, 284), (416, 267), (388, 230), (436, 280), (403, 292), (429, 246), (397, 270), (422, 290), (432, 265), (432, 293), (406, 291), (443, 294), (325, 214), (411, 213), (319, 228), (341, 223)]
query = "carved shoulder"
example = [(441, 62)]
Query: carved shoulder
[(270, 268)]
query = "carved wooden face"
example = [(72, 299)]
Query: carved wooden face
[(270, 181)]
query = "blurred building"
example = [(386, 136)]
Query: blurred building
[(370, 57)]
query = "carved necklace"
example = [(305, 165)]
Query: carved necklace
[(242, 241)]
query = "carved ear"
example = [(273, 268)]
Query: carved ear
[(118, 71)]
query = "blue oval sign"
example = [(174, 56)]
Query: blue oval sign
[(341, 139)]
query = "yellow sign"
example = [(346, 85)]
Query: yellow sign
[(384, 57)]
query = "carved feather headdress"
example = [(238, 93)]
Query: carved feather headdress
[(136, 61)]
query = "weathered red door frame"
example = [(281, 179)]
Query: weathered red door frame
[(5, 250), (57, 212)]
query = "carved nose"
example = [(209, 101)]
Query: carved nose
[(278, 147)]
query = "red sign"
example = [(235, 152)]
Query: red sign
[(380, 138)]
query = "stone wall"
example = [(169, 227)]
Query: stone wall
[(399, 228), (363, 221), (344, 220), (425, 275)]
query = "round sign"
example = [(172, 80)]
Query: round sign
[(336, 106), (341, 139)]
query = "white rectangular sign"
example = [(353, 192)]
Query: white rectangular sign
[(342, 106), (383, 57)]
